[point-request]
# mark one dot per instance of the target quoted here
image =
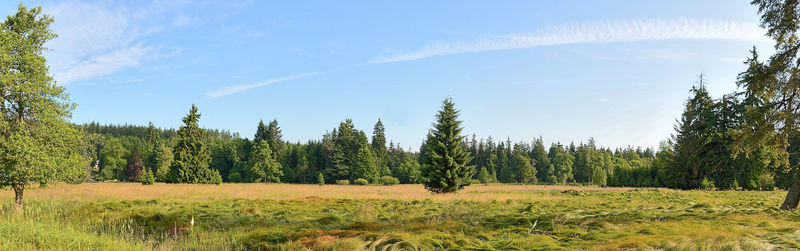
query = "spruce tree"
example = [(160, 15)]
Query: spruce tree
[(379, 148), (694, 133), (543, 168), (191, 155), (261, 132), (275, 139), (446, 168)]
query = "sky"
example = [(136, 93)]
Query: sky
[(617, 71)]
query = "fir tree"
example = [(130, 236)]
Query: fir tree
[(191, 155), (694, 133), (446, 169)]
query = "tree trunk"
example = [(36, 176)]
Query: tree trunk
[(793, 197), (18, 198)]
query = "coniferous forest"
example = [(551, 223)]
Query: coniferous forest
[(699, 155)]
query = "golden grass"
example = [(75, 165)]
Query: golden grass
[(202, 192)]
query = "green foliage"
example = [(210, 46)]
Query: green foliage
[(766, 182), (262, 166), (388, 181), (483, 176), (379, 150), (192, 156), (37, 142), (524, 171), (343, 182), (320, 179), (360, 182), (147, 177), (562, 165), (350, 155), (446, 168), (163, 159), (706, 184), (112, 160)]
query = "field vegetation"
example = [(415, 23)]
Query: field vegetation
[(400, 217)]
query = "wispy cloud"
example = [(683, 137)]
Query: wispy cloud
[(100, 39), (240, 88), (592, 32), (105, 64)]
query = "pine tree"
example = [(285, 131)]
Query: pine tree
[(484, 177), (446, 169), (191, 156)]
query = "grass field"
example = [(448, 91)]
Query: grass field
[(291, 217)]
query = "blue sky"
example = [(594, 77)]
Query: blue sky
[(618, 71)]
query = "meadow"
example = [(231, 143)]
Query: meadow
[(130, 216)]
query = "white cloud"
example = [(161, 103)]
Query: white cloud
[(240, 88), (105, 64), (97, 39), (592, 32)]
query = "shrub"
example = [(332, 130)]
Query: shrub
[(320, 179), (477, 181), (147, 177), (342, 182), (766, 182), (234, 177), (360, 182), (707, 184), (388, 180)]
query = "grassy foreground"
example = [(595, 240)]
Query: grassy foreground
[(404, 217)]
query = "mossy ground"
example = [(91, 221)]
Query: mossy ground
[(401, 217)]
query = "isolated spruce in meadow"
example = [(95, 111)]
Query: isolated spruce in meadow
[(192, 156), (445, 162)]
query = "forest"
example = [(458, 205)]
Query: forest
[(700, 155)]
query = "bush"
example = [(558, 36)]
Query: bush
[(766, 182), (477, 181), (360, 182), (388, 181), (234, 177), (342, 182), (147, 177), (320, 179), (707, 184)]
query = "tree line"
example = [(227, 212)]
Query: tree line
[(748, 139)]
